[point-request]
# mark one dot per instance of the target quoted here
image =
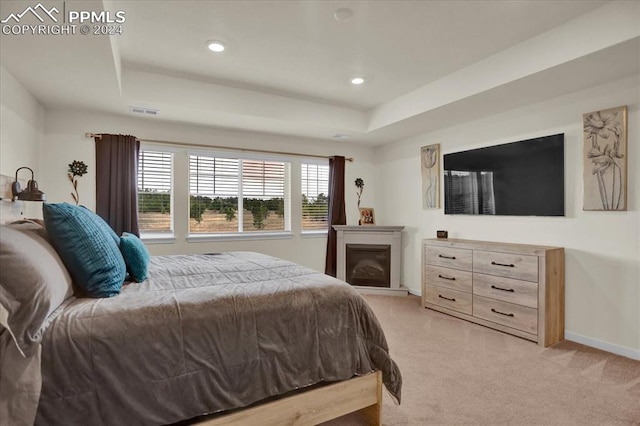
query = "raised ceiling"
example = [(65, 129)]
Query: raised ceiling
[(286, 70)]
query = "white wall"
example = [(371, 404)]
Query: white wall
[(65, 141), (602, 251), (21, 129)]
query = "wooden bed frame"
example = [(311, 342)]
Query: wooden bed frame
[(361, 394)]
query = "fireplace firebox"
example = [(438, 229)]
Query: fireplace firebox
[(369, 265)]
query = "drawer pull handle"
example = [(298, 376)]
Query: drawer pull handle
[(509, 265), (501, 313), (503, 289), (446, 298), (446, 257), (446, 278)]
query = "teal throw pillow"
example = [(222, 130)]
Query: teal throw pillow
[(100, 222), (86, 245), (136, 256)]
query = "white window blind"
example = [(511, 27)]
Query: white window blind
[(262, 179), (236, 195), (315, 196), (154, 191), (214, 177)]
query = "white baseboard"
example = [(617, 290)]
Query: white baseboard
[(605, 346), (584, 340), (381, 291)]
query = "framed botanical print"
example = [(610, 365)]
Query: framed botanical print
[(605, 159), (430, 169)]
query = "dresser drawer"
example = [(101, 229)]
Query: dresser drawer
[(447, 298), (448, 257), (454, 279), (509, 314), (506, 289), (520, 267)]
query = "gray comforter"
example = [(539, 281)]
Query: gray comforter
[(205, 333)]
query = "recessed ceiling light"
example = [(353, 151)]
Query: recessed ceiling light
[(341, 136), (343, 15), (357, 80), (215, 46)]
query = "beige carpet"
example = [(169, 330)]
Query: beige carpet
[(459, 373)]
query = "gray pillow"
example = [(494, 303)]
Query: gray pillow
[(33, 283)]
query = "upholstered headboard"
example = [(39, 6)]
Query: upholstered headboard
[(10, 211)]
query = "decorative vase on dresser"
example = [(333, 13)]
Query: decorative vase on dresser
[(514, 288)]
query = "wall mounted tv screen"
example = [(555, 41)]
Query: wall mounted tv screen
[(524, 178)]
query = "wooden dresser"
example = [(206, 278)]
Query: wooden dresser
[(514, 288)]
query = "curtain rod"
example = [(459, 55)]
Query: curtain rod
[(187, 144)]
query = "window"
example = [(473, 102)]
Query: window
[(315, 196), (154, 191), (236, 195)]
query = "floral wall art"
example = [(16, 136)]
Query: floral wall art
[(76, 170), (605, 159), (430, 165)]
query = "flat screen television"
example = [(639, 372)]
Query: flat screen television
[(524, 178)]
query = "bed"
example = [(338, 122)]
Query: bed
[(263, 339)]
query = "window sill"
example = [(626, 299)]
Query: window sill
[(284, 235), (314, 234), (158, 238)]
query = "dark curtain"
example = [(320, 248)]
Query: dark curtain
[(337, 215), (117, 182)]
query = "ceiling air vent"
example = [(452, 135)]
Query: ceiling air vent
[(141, 110)]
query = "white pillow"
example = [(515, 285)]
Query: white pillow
[(33, 283)]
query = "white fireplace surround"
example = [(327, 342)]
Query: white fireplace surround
[(371, 235)]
